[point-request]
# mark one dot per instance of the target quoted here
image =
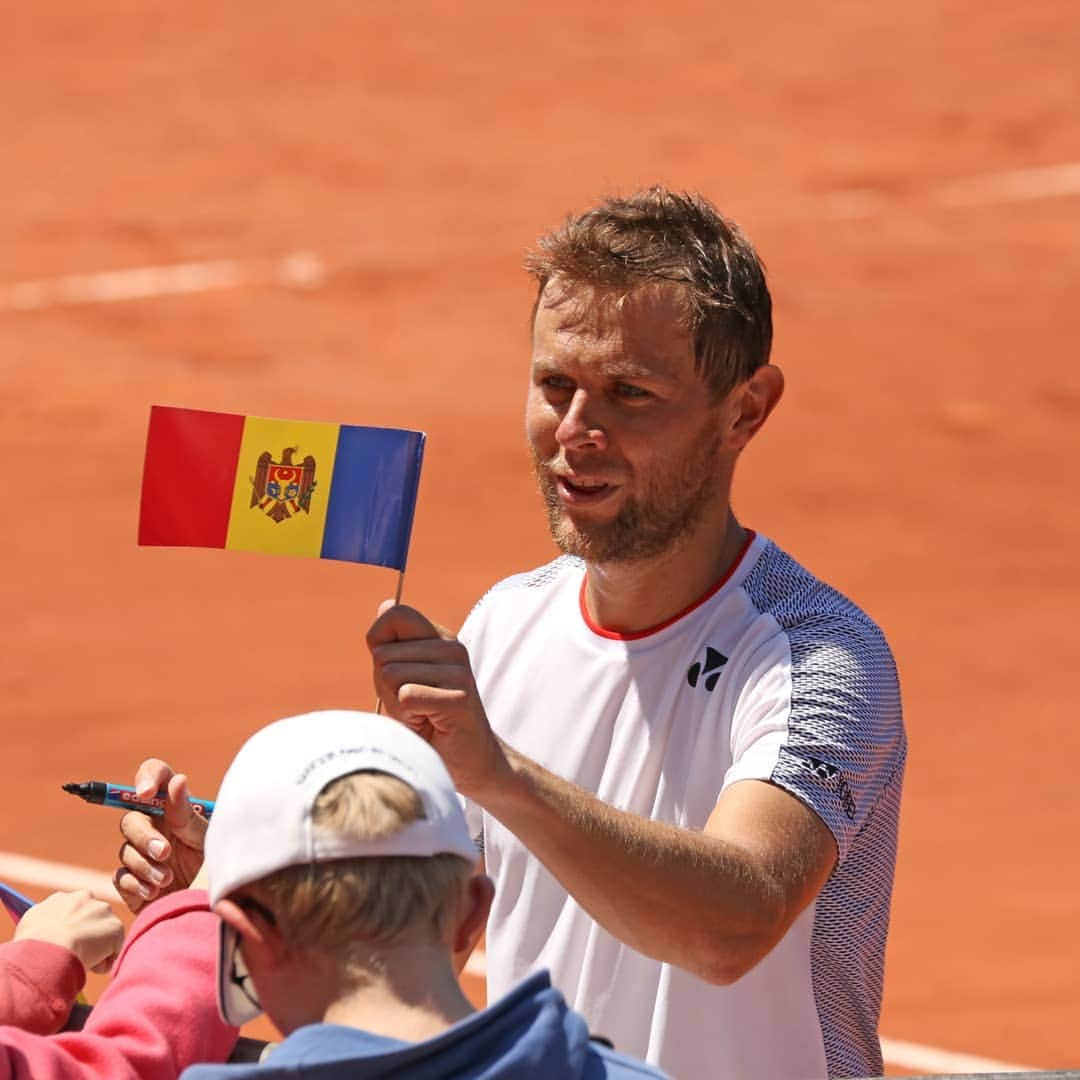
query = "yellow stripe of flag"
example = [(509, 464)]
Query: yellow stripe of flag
[(250, 527)]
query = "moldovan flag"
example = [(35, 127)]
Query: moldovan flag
[(292, 487)]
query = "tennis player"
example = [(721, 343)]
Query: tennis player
[(683, 752)]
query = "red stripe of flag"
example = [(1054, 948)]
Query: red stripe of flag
[(188, 477)]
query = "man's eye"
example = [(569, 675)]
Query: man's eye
[(628, 390), (556, 382)]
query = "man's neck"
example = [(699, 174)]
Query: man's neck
[(411, 995), (629, 597)]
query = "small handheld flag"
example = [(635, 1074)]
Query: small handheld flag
[(16, 904), (293, 487)]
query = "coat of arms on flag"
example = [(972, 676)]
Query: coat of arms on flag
[(279, 485)]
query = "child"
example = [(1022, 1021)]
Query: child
[(158, 1013), (342, 869), (44, 966)]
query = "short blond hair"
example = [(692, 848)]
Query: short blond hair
[(658, 237), (377, 900)]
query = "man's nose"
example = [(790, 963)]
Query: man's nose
[(581, 427)]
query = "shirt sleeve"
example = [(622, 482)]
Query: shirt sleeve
[(474, 815), (820, 716), (38, 985), (158, 1015)]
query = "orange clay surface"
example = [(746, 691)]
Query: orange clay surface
[(923, 460)]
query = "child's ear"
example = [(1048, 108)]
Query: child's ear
[(472, 918), (258, 932)]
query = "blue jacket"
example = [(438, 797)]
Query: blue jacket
[(529, 1033)]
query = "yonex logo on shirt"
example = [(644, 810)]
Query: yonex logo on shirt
[(714, 666), (823, 770)]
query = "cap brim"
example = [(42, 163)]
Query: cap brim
[(237, 1001)]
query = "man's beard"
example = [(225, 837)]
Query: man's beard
[(649, 523)]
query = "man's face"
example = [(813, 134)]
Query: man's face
[(625, 438)]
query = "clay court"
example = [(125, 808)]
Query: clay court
[(355, 184)]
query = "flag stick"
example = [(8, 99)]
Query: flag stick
[(397, 600)]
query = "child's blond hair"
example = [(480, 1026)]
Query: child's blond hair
[(367, 901)]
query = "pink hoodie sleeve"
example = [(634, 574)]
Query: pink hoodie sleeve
[(157, 1016), (38, 985)]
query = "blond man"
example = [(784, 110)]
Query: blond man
[(683, 751)]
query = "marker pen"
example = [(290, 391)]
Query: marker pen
[(124, 798)]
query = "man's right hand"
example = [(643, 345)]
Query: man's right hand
[(424, 680), (163, 854)]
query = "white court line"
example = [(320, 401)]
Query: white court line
[(304, 270), (1019, 185), (931, 1059), (986, 189), (301, 270), (899, 1054), (46, 874)]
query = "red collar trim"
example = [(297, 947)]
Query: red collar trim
[(637, 635)]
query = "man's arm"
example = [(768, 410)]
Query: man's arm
[(713, 902)]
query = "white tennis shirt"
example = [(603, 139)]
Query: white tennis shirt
[(772, 676)]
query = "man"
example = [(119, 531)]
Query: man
[(340, 863), (683, 753)]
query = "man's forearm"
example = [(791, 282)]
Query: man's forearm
[(694, 900)]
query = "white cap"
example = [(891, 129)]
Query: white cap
[(262, 816)]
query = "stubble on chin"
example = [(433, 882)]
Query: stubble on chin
[(625, 538), (664, 517), (567, 536)]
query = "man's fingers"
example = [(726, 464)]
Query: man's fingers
[(153, 874), (418, 725), (132, 891), (181, 818), (139, 831), (138, 879), (429, 710), (399, 622), (435, 676), (151, 777), (422, 651)]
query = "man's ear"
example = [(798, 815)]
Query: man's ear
[(752, 402), (479, 892), (258, 933)]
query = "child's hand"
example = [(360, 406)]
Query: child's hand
[(75, 921)]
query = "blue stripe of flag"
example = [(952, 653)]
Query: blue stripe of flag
[(373, 495)]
